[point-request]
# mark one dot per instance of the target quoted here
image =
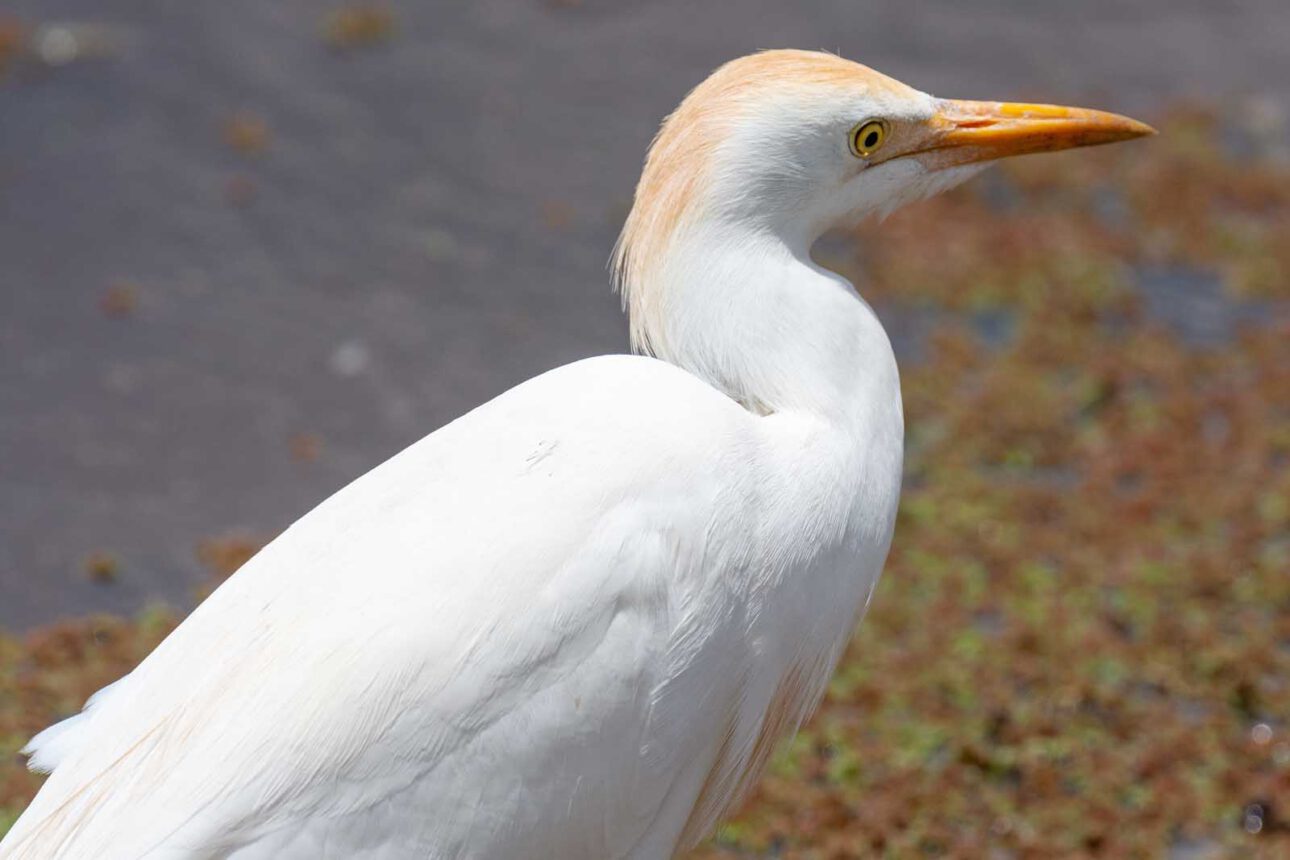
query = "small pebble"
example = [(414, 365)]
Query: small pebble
[(119, 300), (350, 359), (102, 567)]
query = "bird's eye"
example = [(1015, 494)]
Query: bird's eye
[(868, 137)]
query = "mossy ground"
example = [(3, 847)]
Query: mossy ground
[(1081, 644)]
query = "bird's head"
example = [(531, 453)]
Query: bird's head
[(791, 143)]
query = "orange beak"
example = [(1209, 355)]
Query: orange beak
[(964, 132)]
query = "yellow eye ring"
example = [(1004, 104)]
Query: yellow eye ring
[(868, 137)]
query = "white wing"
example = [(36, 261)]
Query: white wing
[(483, 648)]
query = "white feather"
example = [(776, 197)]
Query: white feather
[(473, 651), (571, 623)]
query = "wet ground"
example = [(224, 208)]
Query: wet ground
[(240, 265)]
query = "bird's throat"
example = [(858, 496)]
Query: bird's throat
[(759, 321)]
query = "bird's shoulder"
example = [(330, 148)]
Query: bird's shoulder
[(602, 405), (590, 440)]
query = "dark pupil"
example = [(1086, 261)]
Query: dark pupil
[(871, 139)]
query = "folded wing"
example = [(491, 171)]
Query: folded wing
[(462, 648)]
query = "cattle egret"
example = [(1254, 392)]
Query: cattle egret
[(574, 622)]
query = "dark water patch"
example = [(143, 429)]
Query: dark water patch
[(998, 191), (1111, 208), (1184, 848), (910, 325), (1049, 477), (995, 326), (1195, 306)]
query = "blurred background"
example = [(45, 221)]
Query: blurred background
[(249, 250)]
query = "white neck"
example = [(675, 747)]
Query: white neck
[(753, 316)]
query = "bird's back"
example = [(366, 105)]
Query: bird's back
[(526, 635)]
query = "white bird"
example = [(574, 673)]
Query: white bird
[(574, 622)]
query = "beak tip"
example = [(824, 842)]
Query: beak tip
[(1135, 128)]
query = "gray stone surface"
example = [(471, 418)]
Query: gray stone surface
[(429, 226)]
